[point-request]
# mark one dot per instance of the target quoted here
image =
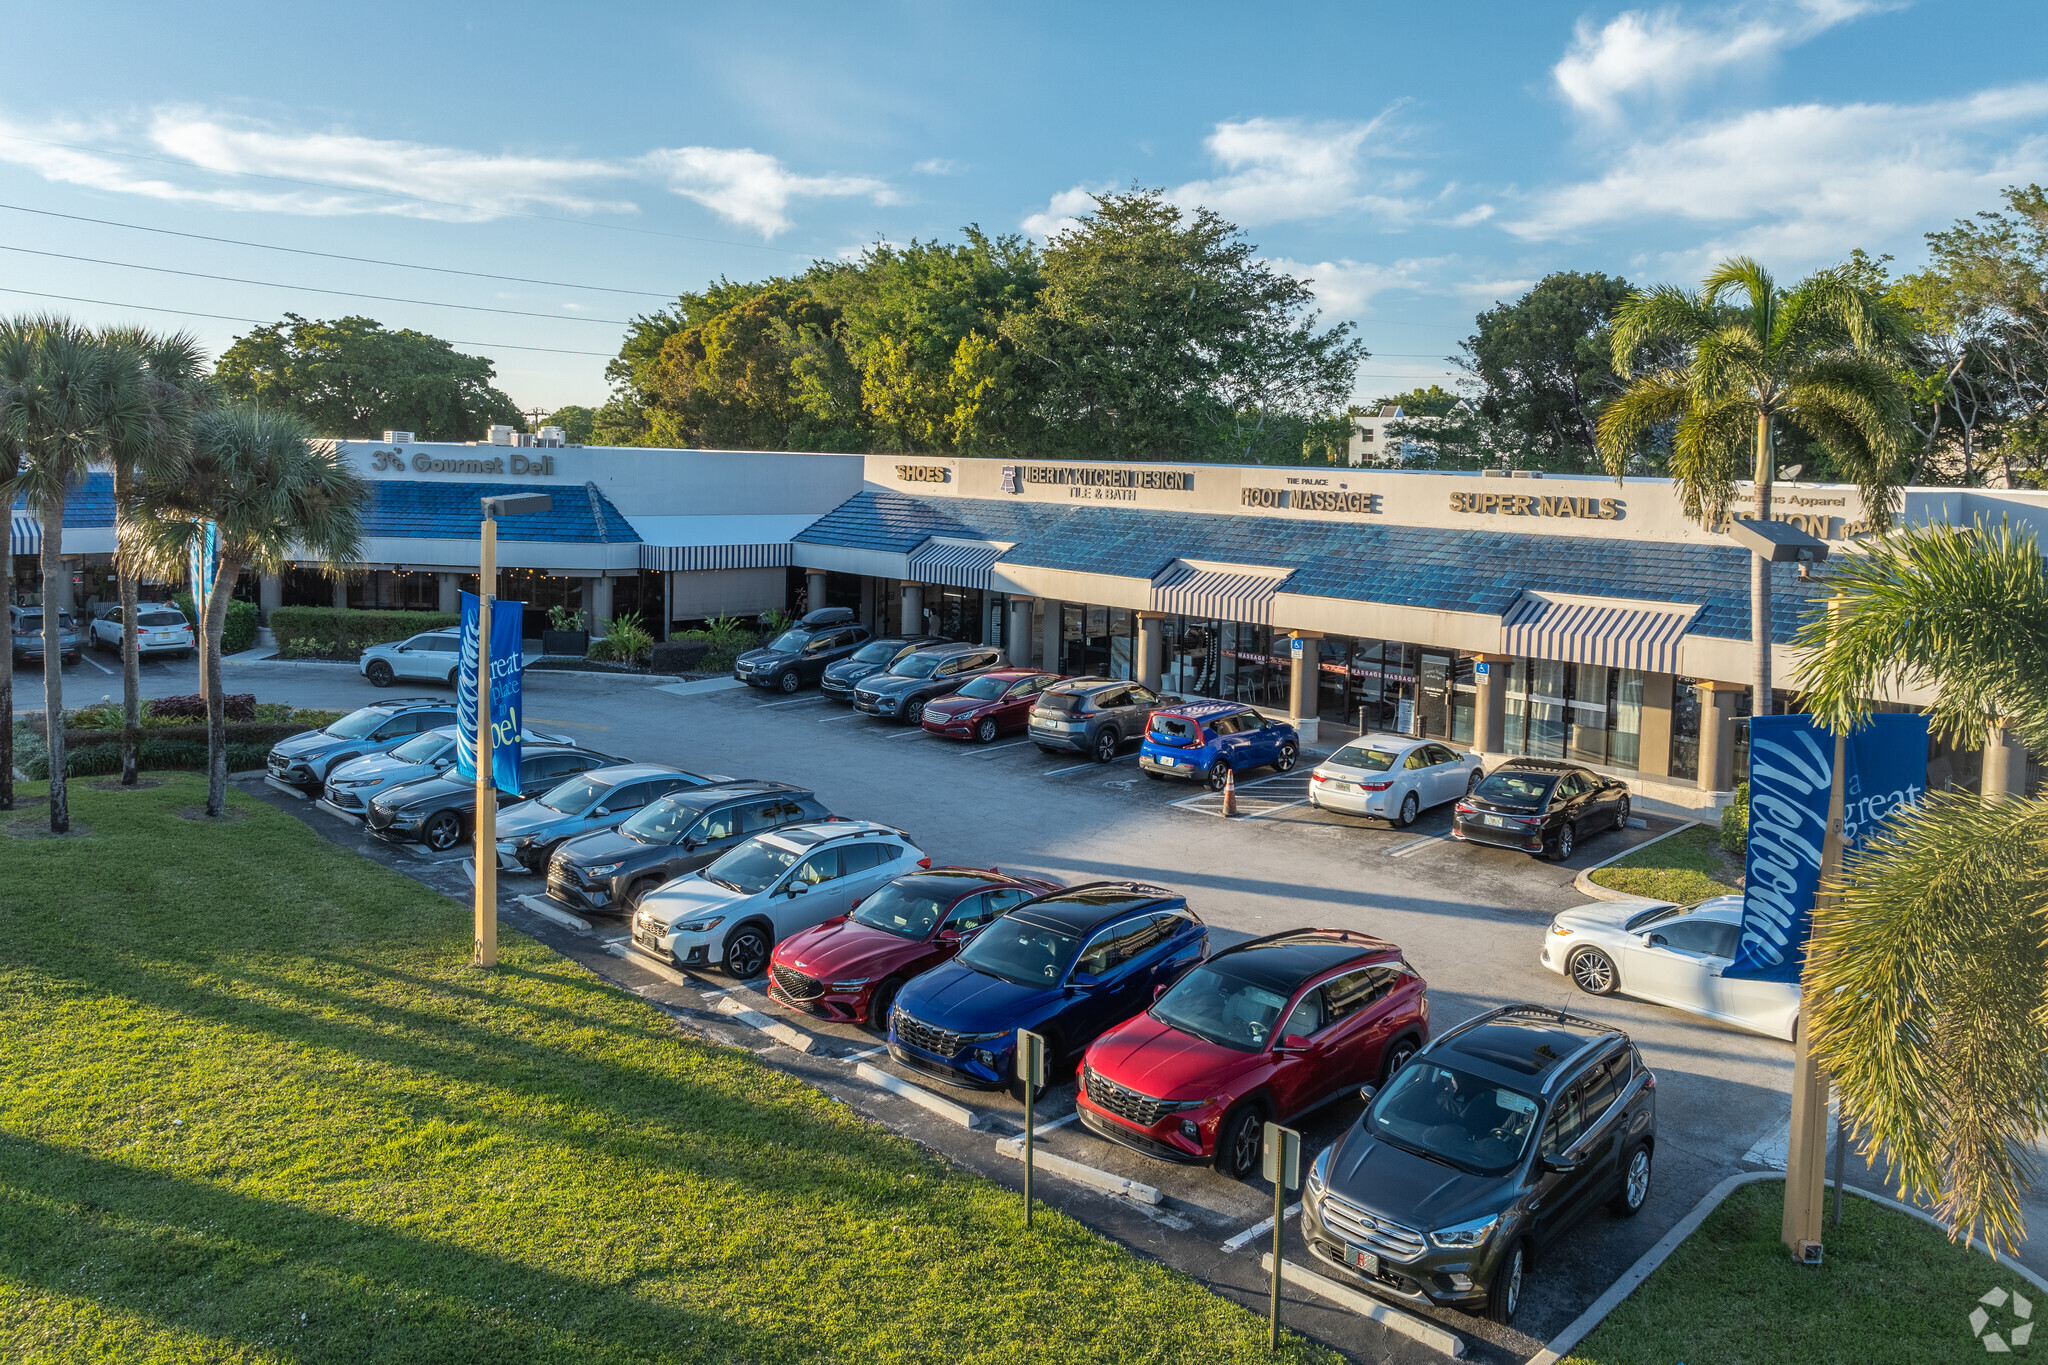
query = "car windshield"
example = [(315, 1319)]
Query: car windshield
[(1455, 1117), (422, 748), (1517, 789), (789, 642), (1067, 703), (1022, 953), (987, 687), (574, 796), (918, 665), (906, 908), (159, 618), (1216, 1006), (880, 652), (358, 724), (1363, 756), (1659, 915), (663, 822), (751, 867)]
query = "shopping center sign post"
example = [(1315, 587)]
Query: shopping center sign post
[(1031, 1071), (488, 709)]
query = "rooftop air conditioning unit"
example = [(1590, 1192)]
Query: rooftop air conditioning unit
[(500, 435), (521, 438), (552, 436), (398, 438)]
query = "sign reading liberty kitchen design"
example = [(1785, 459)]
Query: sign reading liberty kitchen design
[(506, 708), (1102, 483), (1791, 770)]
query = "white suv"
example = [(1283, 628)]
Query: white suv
[(732, 913)]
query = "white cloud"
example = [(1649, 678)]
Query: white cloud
[(938, 165), (1285, 170), (1065, 210), (753, 189), (1659, 54), (1810, 180), (1346, 288)]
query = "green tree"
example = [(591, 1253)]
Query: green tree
[(353, 378), (1750, 357), (626, 419), (576, 422), (1547, 363), (768, 373), (1433, 401), (1927, 973), (274, 494), (1161, 335)]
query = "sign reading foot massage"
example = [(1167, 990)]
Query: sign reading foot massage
[(506, 708), (1791, 771)]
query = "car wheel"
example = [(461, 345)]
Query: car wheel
[(1561, 847), (913, 714), (1288, 754), (1398, 1056), (637, 892), (442, 831), (1472, 782), (1628, 1201), (455, 678), (746, 952), (1411, 806), (1593, 972), (1237, 1142), (1506, 1295), (1105, 744), (379, 673), (880, 1003), (789, 681), (986, 731), (1621, 816), (1219, 774)]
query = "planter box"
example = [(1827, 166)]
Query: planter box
[(574, 643)]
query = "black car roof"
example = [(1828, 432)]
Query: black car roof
[(1518, 1045), (1078, 909), (1087, 684), (711, 793), (1537, 765), (1281, 962)]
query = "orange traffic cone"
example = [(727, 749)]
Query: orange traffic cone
[(1229, 793)]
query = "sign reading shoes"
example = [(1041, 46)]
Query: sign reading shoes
[(923, 473)]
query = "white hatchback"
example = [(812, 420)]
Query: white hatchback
[(1671, 954), (1392, 778), (732, 912)]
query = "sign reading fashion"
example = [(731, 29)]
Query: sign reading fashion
[(395, 462), (923, 473), (1103, 482), (1539, 505)]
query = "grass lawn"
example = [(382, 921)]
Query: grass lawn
[(1684, 867), (254, 1106), (1893, 1291)]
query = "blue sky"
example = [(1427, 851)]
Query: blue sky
[(1418, 162)]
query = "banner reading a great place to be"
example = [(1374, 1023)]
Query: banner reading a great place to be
[(507, 711), (1791, 769)]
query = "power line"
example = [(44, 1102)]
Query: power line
[(265, 322), (314, 289)]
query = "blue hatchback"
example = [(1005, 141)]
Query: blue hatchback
[(1206, 740), (1069, 965)]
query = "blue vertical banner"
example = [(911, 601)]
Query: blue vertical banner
[(205, 562), (1791, 773), (507, 709)]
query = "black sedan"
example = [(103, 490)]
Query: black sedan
[(900, 692), (1541, 807), (440, 811), (871, 658), (610, 870), (798, 657)]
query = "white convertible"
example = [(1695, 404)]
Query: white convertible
[(1672, 954)]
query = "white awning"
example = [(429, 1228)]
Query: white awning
[(1611, 631), (955, 563), (1220, 592), (24, 534), (741, 541)]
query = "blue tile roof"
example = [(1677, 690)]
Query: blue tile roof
[(450, 511), (89, 504), (1446, 568)]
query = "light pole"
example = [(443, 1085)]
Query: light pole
[(512, 505)]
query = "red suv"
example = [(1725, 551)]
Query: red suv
[(850, 968), (993, 704), (1269, 1029)]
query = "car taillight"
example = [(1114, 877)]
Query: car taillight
[(1465, 808), (925, 861), (1649, 1079), (1317, 777), (1374, 786)]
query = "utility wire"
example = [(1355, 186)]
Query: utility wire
[(315, 289), (265, 322)]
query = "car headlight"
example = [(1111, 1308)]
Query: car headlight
[(1465, 1235), (602, 870), (405, 819), (852, 985), (696, 926), (1560, 931), (1319, 1173)]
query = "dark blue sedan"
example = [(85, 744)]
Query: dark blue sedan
[(1069, 965)]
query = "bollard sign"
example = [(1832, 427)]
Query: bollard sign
[(507, 709), (1791, 775)]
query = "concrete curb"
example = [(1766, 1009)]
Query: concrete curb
[(1585, 884), (1078, 1173), (563, 917), (701, 686), (918, 1095), (1366, 1306), (774, 1028), (1582, 1326)]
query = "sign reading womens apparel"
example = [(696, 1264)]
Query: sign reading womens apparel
[(507, 709), (1791, 771)]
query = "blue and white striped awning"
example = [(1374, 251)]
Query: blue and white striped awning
[(1219, 592), (690, 558), (955, 563), (1610, 631), (691, 544), (24, 534)]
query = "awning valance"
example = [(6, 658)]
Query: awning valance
[(1220, 592), (24, 534), (689, 558), (1611, 631), (738, 541), (956, 563)]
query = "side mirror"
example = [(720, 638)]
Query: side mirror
[(1159, 990), (1559, 1164), (948, 934), (1293, 1042), (797, 889), (689, 845), (1656, 940), (1366, 1092)]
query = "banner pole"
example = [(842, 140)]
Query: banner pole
[(486, 788)]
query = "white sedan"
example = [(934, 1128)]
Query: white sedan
[(1392, 778), (159, 629), (1670, 954)]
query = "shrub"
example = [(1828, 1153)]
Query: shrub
[(774, 622), (565, 618), (192, 706), (1735, 822), (679, 656), (237, 633), (342, 633), (105, 716), (284, 713), (727, 637), (265, 733), (625, 641)]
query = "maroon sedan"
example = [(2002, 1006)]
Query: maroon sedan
[(992, 704), (850, 968)]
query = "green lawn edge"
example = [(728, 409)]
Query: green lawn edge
[(255, 1106), (1682, 867)]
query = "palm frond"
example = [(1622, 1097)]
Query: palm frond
[(1742, 274), (1712, 448), (1627, 420), (1665, 313), (1856, 407)]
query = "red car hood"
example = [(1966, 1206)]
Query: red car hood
[(954, 708), (840, 950), (1165, 1063)]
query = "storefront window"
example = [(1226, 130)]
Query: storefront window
[(1587, 713), (1191, 656), (955, 613), (1685, 730)]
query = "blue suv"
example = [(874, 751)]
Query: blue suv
[(1069, 965), (1208, 740)]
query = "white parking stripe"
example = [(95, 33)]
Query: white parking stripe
[(1080, 766), (850, 715), (995, 748), (912, 733), (1415, 846), (1263, 1225), (96, 663), (1042, 1129), (794, 701)]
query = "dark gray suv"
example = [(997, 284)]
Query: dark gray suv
[(900, 691), (612, 869), (1481, 1152), (1094, 716)]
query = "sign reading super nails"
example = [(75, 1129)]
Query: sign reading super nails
[(1539, 505)]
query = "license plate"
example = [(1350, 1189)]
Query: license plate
[(1497, 822), (1169, 763), (1339, 785), (1361, 1260), (644, 939)]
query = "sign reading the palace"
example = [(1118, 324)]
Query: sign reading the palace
[(923, 473), (1539, 505), (527, 466), (1106, 483)]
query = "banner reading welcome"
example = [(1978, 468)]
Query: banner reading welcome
[(1791, 771), (506, 705)]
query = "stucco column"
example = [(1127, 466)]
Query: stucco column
[(1049, 634), (1017, 641), (814, 588), (341, 592), (1653, 732), (1490, 704), (2005, 766), (1303, 674), (450, 587), (269, 596), (1151, 648), (600, 601), (1717, 735), (913, 609), (868, 617)]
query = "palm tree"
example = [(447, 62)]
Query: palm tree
[(1927, 972), (63, 398), (274, 493), (173, 378), (1824, 355)]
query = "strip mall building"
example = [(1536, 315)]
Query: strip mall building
[(1560, 617)]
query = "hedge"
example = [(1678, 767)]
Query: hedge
[(341, 632), (237, 633), (157, 755), (192, 706), (264, 733), (1735, 822)]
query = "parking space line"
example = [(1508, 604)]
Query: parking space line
[(1263, 1225), (850, 715), (1078, 767), (1042, 1129), (97, 664), (915, 733), (774, 1028), (864, 1053), (794, 701), (996, 748), (1414, 846)]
